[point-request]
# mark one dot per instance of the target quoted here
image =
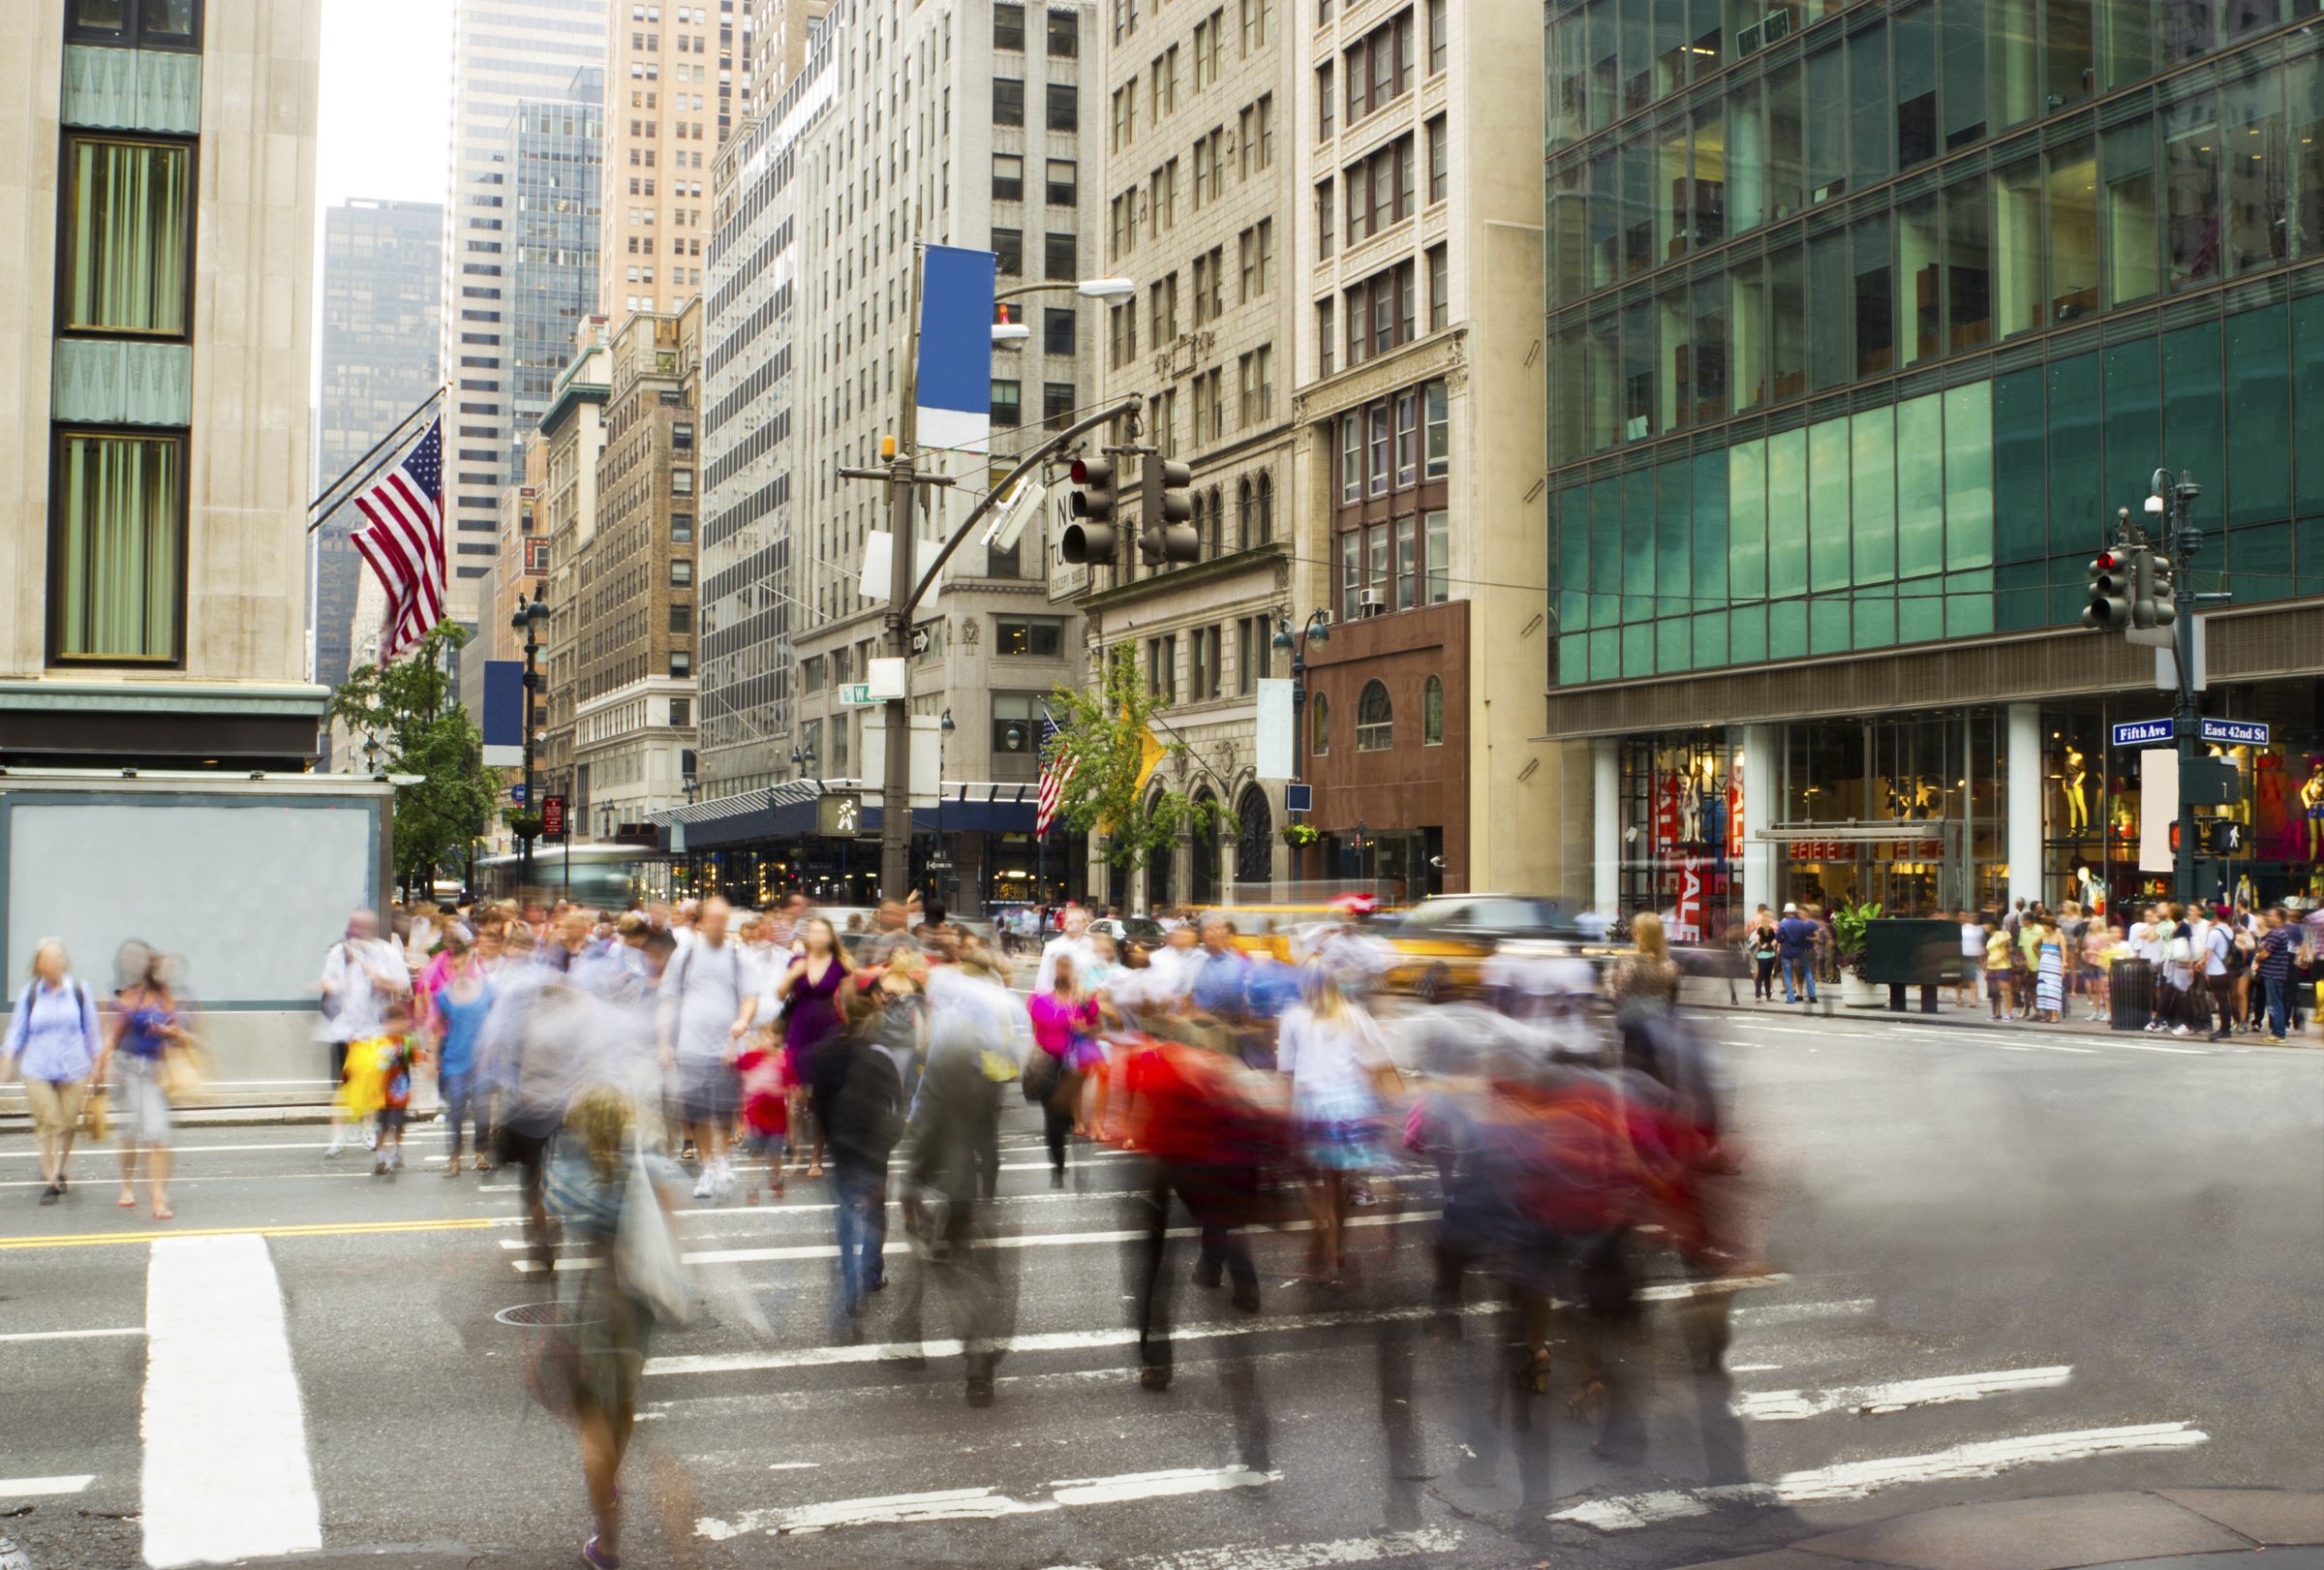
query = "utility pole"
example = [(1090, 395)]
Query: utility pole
[(2173, 498)]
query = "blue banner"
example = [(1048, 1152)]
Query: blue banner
[(955, 373), (503, 721)]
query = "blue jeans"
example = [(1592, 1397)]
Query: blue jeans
[(2277, 989), (1803, 968), (464, 1100), (861, 1217)]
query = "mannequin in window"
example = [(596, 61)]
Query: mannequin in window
[(2311, 801), (1690, 807), (2077, 793)]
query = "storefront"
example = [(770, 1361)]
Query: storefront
[(1974, 807)]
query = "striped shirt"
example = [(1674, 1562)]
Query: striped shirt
[(54, 1030)]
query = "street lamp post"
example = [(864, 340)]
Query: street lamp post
[(805, 762), (691, 788), (1317, 628), (941, 863), (529, 615)]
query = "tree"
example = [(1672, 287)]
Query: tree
[(421, 729), (1109, 733)]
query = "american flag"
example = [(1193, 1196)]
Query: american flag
[(1056, 768), (404, 541)]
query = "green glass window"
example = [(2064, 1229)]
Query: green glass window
[(1919, 486), (2013, 92), (1875, 295), (1920, 610), (2259, 415), (119, 546), (1710, 639), (2308, 407), (2067, 64), (1830, 360), (1605, 653), (1961, 45), (1674, 644), (1637, 649), (2072, 204), (1785, 148), (1827, 129), (2020, 599), (1637, 544), (1968, 605), (1915, 87), (1786, 323), (1872, 460), (1786, 628), (1828, 557), (1747, 511), (1747, 634), (2308, 560), (2132, 233), (2190, 153), (1606, 540), (1572, 659), (1709, 586), (2191, 419), (2304, 92), (2125, 41), (1747, 334), (1875, 620), (1968, 265), (2019, 461), (1828, 625), (1969, 475), (2258, 174), (1674, 572), (1869, 106), (1787, 514), (1746, 158), (1574, 558), (128, 236), (2017, 247), (2079, 514), (2133, 430), (2258, 561), (1919, 295)]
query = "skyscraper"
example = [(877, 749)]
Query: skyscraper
[(555, 163), (504, 51), (673, 77), (381, 273)]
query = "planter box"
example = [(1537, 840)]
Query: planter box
[(1857, 992)]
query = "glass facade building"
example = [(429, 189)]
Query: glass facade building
[(555, 164), (1783, 344), (1865, 319)]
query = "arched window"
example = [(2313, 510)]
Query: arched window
[(1218, 519), (1432, 713), (1319, 715), (1158, 893), (1266, 507), (1244, 521), (1198, 520), (1201, 876), (1254, 838), (1375, 718)]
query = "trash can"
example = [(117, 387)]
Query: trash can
[(2131, 985)]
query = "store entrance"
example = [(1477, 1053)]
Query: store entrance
[(1913, 869)]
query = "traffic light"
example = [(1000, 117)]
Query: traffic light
[(1090, 538), (2223, 836), (1166, 532), (2158, 601), (2110, 585)]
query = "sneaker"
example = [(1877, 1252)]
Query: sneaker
[(723, 1181), (597, 1558), (52, 1193), (330, 1152), (702, 1186), (371, 1139), (2152, 1026), (2180, 1030)]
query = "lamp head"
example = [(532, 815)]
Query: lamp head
[(1106, 289)]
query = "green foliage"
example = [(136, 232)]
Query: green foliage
[(1109, 731), (422, 730), (1851, 925)]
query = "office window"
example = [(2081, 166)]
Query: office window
[(1408, 438), (1375, 718), (1319, 712), (128, 236), (1056, 403), (1008, 178), (143, 24), (1064, 107), (1008, 101), (1436, 544), (1325, 106), (682, 711), (1437, 445), (681, 662), (1440, 287), (1324, 341), (1440, 138), (1037, 638), (118, 546), (1438, 38), (682, 572), (1008, 244), (1064, 35), (1376, 419), (1065, 183), (682, 617), (1432, 712), (1008, 27), (1058, 261), (1407, 569), (1326, 220), (1005, 408)]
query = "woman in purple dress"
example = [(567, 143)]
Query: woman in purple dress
[(808, 995)]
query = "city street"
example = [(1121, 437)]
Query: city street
[(2001, 1264)]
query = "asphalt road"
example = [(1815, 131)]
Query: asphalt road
[(2007, 1265)]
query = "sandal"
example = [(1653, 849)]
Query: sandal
[(128, 1200), (163, 1213)]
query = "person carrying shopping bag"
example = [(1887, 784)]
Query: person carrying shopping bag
[(53, 1038)]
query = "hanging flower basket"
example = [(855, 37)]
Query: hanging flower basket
[(1297, 835)]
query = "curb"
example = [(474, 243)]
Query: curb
[(1957, 1021), (2180, 1526), (317, 1113)]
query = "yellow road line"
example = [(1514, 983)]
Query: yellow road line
[(317, 1229)]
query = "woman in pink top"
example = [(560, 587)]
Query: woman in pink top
[(1064, 1026)]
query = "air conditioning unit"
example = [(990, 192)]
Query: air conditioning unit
[(1372, 602), (1775, 28), (1747, 41)]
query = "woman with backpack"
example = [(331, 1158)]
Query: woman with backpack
[(145, 1026), (52, 1040)]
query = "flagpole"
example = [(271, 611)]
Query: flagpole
[(383, 442)]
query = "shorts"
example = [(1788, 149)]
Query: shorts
[(393, 1119), (709, 1091), (141, 1111), (512, 1147), (55, 1104)]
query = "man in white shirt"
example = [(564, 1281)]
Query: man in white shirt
[(2213, 940), (1073, 942), (1973, 958), (707, 1000), (361, 974)]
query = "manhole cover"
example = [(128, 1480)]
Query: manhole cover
[(545, 1316)]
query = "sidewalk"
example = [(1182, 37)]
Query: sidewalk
[(2164, 1529), (1710, 992)]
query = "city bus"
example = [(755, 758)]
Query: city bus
[(603, 876)]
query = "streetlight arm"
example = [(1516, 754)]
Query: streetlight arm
[(1024, 466)]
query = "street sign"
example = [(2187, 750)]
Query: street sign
[(858, 693), (839, 813), (516, 793), (2236, 732), (1298, 798), (552, 818), (2140, 732)]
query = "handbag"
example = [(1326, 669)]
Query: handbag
[(1041, 1075), (182, 1077), (94, 1115), (645, 1252)]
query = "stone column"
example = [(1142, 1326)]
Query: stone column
[(2022, 772), (1606, 840), (1762, 860)]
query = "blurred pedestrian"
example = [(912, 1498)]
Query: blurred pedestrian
[(146, 1025), (1064, 1021), (1644, 984), (1795, 947), (2278, 942), (810, 991), (707, 1002), (1338, 1067), (1972, 959), (53, 1040), (463, 999), (1762, 949), (866, 1120), (360, 975)]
